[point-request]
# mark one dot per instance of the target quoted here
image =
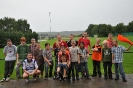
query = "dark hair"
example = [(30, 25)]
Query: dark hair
[(8, 40), (82, 43), (46, 44), (29, 53)]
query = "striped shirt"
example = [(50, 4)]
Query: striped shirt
[(118, 53)]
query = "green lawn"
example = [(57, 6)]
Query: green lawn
[(127, 63)]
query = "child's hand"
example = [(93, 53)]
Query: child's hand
[(87, 55), (49, 63), (78, 62), (113, 61)]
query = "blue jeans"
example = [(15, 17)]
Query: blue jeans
[(120, 67), (84, 68), (50, 70)]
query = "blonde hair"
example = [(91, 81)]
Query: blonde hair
[(105, 41)]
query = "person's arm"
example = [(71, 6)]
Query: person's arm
[(45, 58), (93, 48), (102, 54), (24, 68), (36, 68), (129, 47), (18, 51), (112, 55)]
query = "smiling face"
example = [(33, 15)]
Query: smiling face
[(115, 43), (85, 34), (29, 56), (110, 36), (33, 41), (71, 37), (9, 43)]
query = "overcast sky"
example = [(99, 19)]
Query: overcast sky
[(67, 15)]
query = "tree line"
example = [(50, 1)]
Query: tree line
[(14, 30), (102, 30)]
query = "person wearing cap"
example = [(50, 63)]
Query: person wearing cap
[(10, 51), (22, 51)]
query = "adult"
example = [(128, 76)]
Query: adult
[(110, 40), (22, 51), (86, 41), (69, 42), (33, 46), (10, 51), (60, 41)]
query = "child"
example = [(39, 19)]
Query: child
[(117, 57), (107, 60), (10, 51), (74, 55), (63, 64), (83, 52), (96, 57), (47, 54), (63, 51), (56, 51), (30, 68), (38, 56)]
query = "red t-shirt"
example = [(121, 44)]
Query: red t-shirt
[(86, 42), (67, 56), (110, 43), (62, 43)]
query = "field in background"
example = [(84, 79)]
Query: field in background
[(127, 62)]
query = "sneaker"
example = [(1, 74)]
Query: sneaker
[(111, 78), (116, 78), (34, 79), (105, 78), (7, 79), (2, 80), (27, 80)]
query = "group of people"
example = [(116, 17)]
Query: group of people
[(71, 57)]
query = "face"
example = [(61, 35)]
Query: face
[(85, 34), (9, 43), (33, 41), (110, 36), (73, 43), (29, 56), (38, 46), (62, 48), (48, 47), (22, 42), (114, 42), (71, 37), (98, 41), (105, 44), (81, 45), (59, 38), (63, 58)]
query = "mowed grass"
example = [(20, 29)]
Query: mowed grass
[(127, 62)]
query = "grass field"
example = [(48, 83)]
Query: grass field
[(127, 62)]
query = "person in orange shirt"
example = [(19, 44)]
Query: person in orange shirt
[(96, 57)]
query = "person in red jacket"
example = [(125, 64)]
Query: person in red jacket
[(85, 40)]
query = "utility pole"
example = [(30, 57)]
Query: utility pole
[(50, 22)]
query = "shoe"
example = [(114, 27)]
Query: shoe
[(27, 80), (111, 78), (19, 77), (73, 79), (7, 79), (116, 78), (124, 80), (62, 80), (2, 80), (77, 78), (34, 79), (94, 75), (105, 78)]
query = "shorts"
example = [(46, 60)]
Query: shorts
[(64, 66)]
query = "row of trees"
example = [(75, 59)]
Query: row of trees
[(102, 30), (14, 30)]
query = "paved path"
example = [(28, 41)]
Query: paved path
[(82, 83)]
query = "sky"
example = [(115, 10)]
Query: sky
[(67, 15)]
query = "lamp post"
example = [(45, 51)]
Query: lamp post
[(50, 22)]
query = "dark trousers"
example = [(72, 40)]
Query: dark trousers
[(84, 68), (9, 66), (96, 68), (107, 69), (50, 70), (73, 69)]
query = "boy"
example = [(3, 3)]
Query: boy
[(65, 52), (47, 54), (117, 58), (10, 51), (75, 60), (22, 52), (63, 63), (38, 56), (32, 46), (96, 57), (30, 67), (107, 60)]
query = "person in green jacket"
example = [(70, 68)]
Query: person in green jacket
[(107, 60), (22, 51)]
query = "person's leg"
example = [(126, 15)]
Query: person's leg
[(26, 76), (18, 70), (110, 70), (6, 69), (94, 69), (82, 69), (99, 68), (51, 69), (46, 70), (11, 67), (69, 69), (105, 70), (76, 68), (122, 72), (116, 71), (86, 70), (64, 71), (72, 69)]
